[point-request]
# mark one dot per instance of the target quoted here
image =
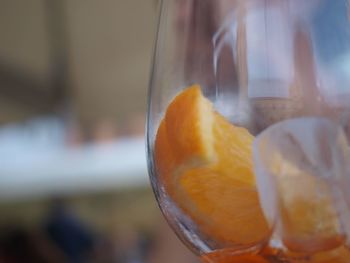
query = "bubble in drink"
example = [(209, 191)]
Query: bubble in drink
[(302, 171)]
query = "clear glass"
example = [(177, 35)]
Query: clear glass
[(259, 62)]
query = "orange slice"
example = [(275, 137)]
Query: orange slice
[(309, 220), (233, 259), (205, 164), (308, 216), (339, 255)]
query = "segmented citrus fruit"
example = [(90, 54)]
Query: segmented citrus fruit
[(205, 164)]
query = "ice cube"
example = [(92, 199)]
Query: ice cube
[(302, 171)]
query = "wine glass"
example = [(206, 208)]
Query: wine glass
[(260, 63)]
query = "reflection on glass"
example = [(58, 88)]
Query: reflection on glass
[(229, 76)]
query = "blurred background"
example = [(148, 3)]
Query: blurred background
[(73, 176)]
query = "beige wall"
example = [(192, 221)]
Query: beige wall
[(110, 44), (23, 36)]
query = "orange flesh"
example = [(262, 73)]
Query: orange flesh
[(205, 165), (236, 259), (268, 255)]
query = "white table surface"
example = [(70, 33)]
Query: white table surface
[(46, 169)]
